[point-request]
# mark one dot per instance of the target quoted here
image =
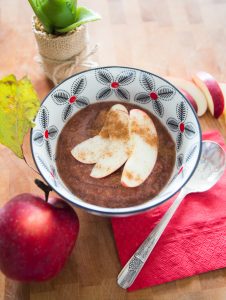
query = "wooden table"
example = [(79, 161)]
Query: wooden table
[(167, 37)]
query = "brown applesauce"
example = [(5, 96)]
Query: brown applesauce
[(108, 191)]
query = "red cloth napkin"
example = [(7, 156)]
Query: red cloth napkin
[(194, 242)]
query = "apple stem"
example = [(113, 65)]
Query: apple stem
[(44, 187)]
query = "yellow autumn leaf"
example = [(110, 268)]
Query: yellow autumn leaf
[(19, 104)]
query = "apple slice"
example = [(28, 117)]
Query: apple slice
[(117, 151), (115, 155), (144, 142), (89, 151), (192, 90), (190, 99), (212, 91), (223, 89)]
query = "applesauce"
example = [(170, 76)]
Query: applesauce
[(108, 191)]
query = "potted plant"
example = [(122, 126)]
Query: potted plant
[(61, 33)]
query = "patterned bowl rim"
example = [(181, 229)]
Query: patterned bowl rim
[(122, 211)]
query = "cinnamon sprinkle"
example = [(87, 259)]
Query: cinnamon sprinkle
[(82, 155), (132, 176), (107, 153), (116, 126), (104, 132), (144, 133)]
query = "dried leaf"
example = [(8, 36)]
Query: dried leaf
[(19, 104)]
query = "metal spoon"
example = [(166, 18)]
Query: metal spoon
[(210, 168)]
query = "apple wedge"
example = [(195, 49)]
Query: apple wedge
[(223, 89), (117, 151), (190, 99), (144, 143), (212, 91), (193, 91), (89, 151), (115, 155)]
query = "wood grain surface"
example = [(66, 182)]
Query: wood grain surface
[(167, 37)]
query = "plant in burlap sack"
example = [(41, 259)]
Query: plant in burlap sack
[(61, 34)]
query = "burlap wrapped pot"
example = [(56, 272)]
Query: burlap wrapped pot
[(63, 55)]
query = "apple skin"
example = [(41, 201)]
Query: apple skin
[(223, 89), (211, 89), (36, 237), (192, 89), (190, 99)]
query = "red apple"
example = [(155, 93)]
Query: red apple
[(36, 237), (190, 99), (193, 90), (211, 89)]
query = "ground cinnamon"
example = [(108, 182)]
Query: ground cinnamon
[(132, 176), (144, 133), (116, 126)]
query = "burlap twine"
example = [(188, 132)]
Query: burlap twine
[(63, 55)]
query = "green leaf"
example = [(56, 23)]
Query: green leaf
[(54, 13), (37, 8), (19, 104), (61, 13), (83, 15)]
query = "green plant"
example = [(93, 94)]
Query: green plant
[(60, 16)]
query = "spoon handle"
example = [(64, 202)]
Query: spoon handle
[(133, 267)]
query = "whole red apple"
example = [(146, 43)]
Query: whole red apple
[(36, 237)]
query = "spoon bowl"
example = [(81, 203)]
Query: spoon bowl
[(210, 168)]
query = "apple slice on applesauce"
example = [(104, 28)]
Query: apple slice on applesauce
[(144, 143), (116, 152), (123, 138), (89, 151)]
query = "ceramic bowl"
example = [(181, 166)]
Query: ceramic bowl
[(124, 84)]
